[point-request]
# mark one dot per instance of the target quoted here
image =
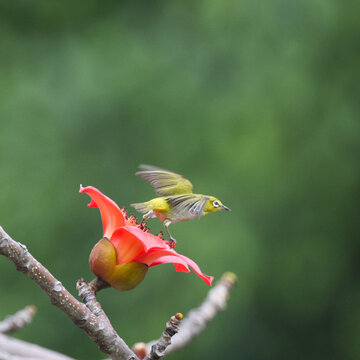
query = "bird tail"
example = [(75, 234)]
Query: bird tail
[(141, 207)]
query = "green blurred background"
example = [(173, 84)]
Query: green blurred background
[(256, 102)]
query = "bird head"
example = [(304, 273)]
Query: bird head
[(214, 204)]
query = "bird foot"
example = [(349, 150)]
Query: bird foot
[(171, 243)]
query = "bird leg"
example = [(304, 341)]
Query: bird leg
[(148, 214), (172, 241)]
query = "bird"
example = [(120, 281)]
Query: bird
[(176, 201)]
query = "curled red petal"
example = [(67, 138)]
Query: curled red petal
[(180, 267), (195, 267), (155, 254), (127, 246), (111, 215), (149, 240), (181, 262)]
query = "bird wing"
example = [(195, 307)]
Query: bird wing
[(187, 206), (165, 182)]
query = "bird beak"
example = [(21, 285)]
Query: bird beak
[(225, 208)]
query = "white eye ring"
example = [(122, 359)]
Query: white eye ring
[(216, 203)]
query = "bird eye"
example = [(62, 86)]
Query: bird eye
[(215, 203)]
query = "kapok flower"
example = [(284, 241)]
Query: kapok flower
[(123, 256)]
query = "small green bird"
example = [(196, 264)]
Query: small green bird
[(177, 201)]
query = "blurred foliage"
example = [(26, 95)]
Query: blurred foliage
[(255, 102)]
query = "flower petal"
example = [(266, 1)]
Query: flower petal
[(127, 246), (195, 267), (111, 215), (153, 255), (149, 240), (181, 262)]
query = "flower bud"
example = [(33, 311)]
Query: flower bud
[(140, 350), (103, 264)]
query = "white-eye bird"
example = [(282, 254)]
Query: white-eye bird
[(176, 201)]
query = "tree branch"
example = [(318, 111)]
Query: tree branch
[(91, 318), (17, 321), (159, 348), (197, 319), (96, 328), (87, 293), (15, 349)]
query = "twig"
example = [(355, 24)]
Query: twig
[(99, 331), (17, 321), (197, 319), (98, 284), (16, 349), (92, 319), (159, 348), (87, 293)]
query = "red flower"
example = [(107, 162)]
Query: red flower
[(127, 249)]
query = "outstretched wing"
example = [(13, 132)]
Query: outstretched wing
[(187, 206), (165, 182)]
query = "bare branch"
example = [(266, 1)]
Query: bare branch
[(17, 321), (87, 293), (197, 319), (15, 349), (91, 318), (159, 348), (98, 284), (98, 330)]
